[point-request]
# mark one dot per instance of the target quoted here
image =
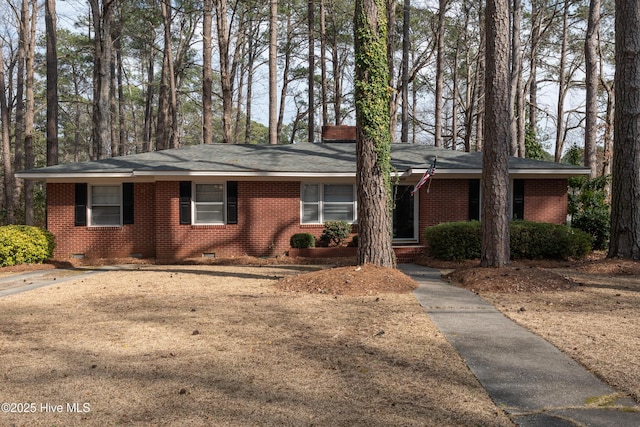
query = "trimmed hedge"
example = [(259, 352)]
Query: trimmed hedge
[(455, 241), (22, 244), (302, 241)]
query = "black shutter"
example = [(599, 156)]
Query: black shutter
[(80, 216), (232, 202), (474, 199), (185, 202), (127, 203), (518, 199)]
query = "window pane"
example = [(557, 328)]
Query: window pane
[(310, 193), (105, 195), (338, 212), (209, 214), (338, 193), (209, 193), (310, 213), (105, 215)]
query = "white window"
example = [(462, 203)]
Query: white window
[(208, 202), (105, 205), (328, 202)]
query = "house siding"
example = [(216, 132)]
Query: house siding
[(268, 215), (136, 239), (545, 200)]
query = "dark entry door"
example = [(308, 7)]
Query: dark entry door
[(403, 213)]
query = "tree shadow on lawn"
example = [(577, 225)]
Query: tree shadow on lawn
[(265, 362)]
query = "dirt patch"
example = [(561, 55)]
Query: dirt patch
[(224, 345), (509, 279), (361, 280)]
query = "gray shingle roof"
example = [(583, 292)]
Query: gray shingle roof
[(298, 159)]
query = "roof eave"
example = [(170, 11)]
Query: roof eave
[(547, 173), (172, 175)]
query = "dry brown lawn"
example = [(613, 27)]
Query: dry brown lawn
[(230, 346), (588, 309)]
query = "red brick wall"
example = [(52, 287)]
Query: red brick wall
[(545, 200), (268, 215), (100, 242), (448, 200)]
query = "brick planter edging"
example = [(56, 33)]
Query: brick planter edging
[(342, 251)]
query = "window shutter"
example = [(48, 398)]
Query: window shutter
[(185, 202), (518, 199), (474, 199), (80, 214), (127, 203), (232, 202)]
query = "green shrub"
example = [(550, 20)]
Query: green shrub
[(589, 209), (21, 244), (456, 241), (336, 232), (302, 240), (534, 240)]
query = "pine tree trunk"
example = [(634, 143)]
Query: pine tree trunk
[(406, 46), (102, 13), (625, 185), (226, 81), (207, 74), (250, 63), (515, 74), (592, 79), (373, 140), (391, 46), (311, 70), (323, 65), (481, 75), (273, 72), (439, 75), (337, 84), (29, 114), (532, 81), (495, 169), (52, 83), (7, 164), (562, 84), (285, 81)]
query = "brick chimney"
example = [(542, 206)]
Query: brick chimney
[(340, 133)]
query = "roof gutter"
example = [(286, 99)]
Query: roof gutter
[(565, 173)]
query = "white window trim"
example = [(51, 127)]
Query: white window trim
[(90, 205), (194, 203), (321, 185)]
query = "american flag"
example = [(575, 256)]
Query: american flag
[(428, 174)]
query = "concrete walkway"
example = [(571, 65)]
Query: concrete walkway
[(22, 282), (532, 381)]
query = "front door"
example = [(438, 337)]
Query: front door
[(404, 215)]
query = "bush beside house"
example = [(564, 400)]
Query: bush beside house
[(455, 241), (21, 244), (302, 241)]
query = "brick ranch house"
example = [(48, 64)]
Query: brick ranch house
[(233, 200)]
